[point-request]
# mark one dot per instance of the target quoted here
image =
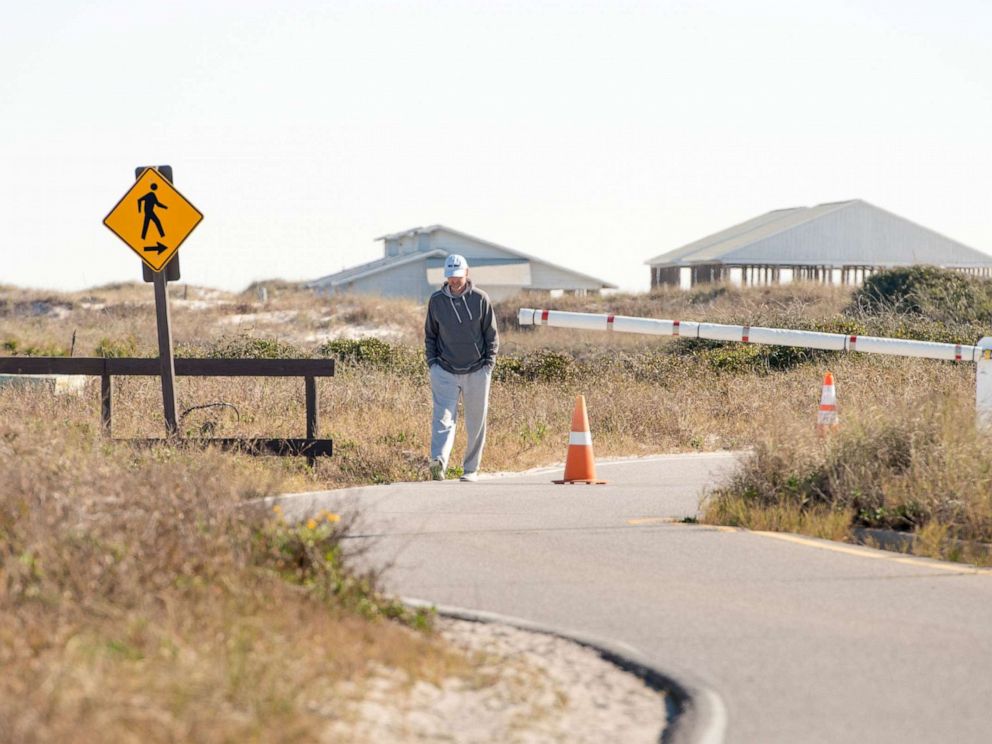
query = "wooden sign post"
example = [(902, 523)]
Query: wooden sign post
[(168, 363), (153, 202)]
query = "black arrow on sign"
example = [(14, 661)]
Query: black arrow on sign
[(159, 248)]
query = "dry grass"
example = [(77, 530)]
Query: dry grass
[(912, 460), (140, 601), (675, 396), (820, 521), (379, 416), (136, 603), (125, 314), (908, 457)]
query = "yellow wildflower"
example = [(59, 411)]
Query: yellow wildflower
[(311, 524)]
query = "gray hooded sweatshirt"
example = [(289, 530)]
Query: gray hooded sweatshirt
[(460, 330)]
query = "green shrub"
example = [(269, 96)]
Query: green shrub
[(115, 348), (309, 554), (740, 358), (706, 294), (549, 366), (905, 472), (919, 328), (15, 347), (46, 349), (532, 434), (377, 354), (545, 365), (938, 294), (243, 346), (371, 351), (508, 369), (838, 324)]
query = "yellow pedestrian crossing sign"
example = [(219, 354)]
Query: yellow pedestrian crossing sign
[(153, 219)]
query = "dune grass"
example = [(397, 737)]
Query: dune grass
[(141, 600), (644, 394), (136, 594), (919, 466)]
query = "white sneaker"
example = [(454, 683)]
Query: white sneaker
[(437, 469), (469, 477)]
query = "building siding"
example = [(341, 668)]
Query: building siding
[(545, 277), (509, 272), (446, 241), (409, 280)]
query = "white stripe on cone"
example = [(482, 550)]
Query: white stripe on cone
[(580, 437), (827, 415)]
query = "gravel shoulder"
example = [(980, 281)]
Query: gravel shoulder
[(522, 687)]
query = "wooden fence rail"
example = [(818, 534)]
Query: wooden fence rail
[(107, 368)]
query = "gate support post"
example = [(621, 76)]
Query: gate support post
[(983, 381)]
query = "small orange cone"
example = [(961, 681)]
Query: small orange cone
[(826, 417), (579, 464)]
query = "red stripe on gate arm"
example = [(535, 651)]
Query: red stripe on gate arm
[(957, 352), (746, 334), (853, 342), (609, 322), (544, 316), (675, 328)]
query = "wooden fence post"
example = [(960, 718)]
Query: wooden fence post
[(313, 422), (106, 402)]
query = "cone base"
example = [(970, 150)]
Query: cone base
[(582, 481)]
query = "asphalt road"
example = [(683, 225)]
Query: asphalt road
[(803, 640)]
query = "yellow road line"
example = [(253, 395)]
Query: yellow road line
[(640, 521), (861, 552), (875, 554)]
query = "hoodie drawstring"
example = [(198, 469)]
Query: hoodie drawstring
[(464, 304)]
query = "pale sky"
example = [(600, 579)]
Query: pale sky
[(591, 134)]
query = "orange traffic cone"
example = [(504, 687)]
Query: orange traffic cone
[(579, 464), (826, 417)]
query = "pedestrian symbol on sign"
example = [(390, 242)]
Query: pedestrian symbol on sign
[(147, 203)]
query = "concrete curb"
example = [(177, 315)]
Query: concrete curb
[(904, 542), (696, 714)]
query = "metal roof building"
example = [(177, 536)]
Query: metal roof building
[(413, 266), (835, 242)]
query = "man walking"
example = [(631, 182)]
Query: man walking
[(461, 342)]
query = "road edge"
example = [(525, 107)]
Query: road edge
[(696, 714)]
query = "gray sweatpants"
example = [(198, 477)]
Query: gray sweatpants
[(445, 389)]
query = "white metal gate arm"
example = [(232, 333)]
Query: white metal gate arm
[(749, 334)]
